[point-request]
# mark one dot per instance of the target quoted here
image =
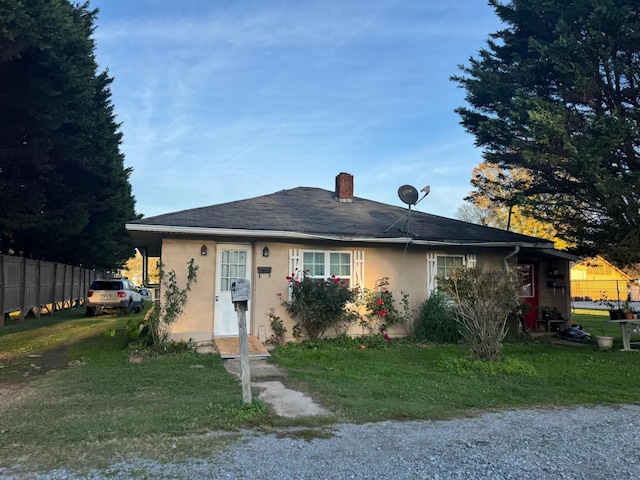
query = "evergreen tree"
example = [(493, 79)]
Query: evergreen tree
[(556, 92), (64, 191)]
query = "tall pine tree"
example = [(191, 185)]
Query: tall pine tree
[(64, 191), (556, 92)]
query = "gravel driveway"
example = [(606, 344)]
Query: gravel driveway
[(577, 443)]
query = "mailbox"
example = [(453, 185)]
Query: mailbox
[(240, 290)]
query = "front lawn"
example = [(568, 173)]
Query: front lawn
[(433, 382), (71, 396)]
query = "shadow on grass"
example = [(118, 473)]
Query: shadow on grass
[(35, 346)]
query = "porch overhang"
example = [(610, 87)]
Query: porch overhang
[(551, 252)]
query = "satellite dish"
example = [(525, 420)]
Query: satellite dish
[(408, 194)]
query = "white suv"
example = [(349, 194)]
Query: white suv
[(113, 294)]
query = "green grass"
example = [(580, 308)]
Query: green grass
[(100, 407), (595, 322), (410, 382)]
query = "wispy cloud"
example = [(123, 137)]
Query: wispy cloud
[(221, 101)]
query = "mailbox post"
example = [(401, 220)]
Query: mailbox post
[(240, 294)]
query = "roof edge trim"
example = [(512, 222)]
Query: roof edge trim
[(340, 238)]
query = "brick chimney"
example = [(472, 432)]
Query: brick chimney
[(344, 187)]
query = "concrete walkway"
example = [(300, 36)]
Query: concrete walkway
[(282, 400)]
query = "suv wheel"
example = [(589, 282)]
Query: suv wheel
[(90, 312)]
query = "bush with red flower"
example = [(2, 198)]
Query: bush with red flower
[(317, 305), (380, 307)]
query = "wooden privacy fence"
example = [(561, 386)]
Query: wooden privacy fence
[(33, 285)]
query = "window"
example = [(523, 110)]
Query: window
[(313, 264), (326, 264), (340, 264), (234, 265), (525, 273), (446, 263)]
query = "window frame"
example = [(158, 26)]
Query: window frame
[(327, 265), (446, 267), (528, 290)]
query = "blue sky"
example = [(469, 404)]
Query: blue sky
[(225, 100)]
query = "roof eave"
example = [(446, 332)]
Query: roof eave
[(237, 232)]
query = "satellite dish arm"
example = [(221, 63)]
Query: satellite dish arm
[(426, 191), (406, 223), (405, 215)]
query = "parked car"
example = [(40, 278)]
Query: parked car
[(113, 294), (145, 293)]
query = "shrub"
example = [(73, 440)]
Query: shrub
[(483, 300), (436, 320), (154, 330), (277, 325), (380, 308), (318, 305), (341, 342)]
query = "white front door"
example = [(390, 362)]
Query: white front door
[(232, 262)]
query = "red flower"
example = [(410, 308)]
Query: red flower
[(380, 302), (288, 277), (319, 284), (308, 270), (333, 276), (297, 282), (279, 294), (386, 292)]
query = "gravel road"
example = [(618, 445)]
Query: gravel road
[(578, 443)]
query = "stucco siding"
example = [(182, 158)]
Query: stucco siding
[(405, 267), (265, 287), (196, 323)]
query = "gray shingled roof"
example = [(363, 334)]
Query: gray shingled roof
[(315, 211)]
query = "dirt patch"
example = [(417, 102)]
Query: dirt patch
[(17, 370)]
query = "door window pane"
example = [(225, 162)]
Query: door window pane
[(525, 273), (233, 266)]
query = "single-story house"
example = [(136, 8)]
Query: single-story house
[(594, 279), (266, 238)]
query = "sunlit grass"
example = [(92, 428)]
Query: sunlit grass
[(99, 407), (409, 381), (97, 401)]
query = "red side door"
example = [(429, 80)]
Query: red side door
[(528, 274)]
